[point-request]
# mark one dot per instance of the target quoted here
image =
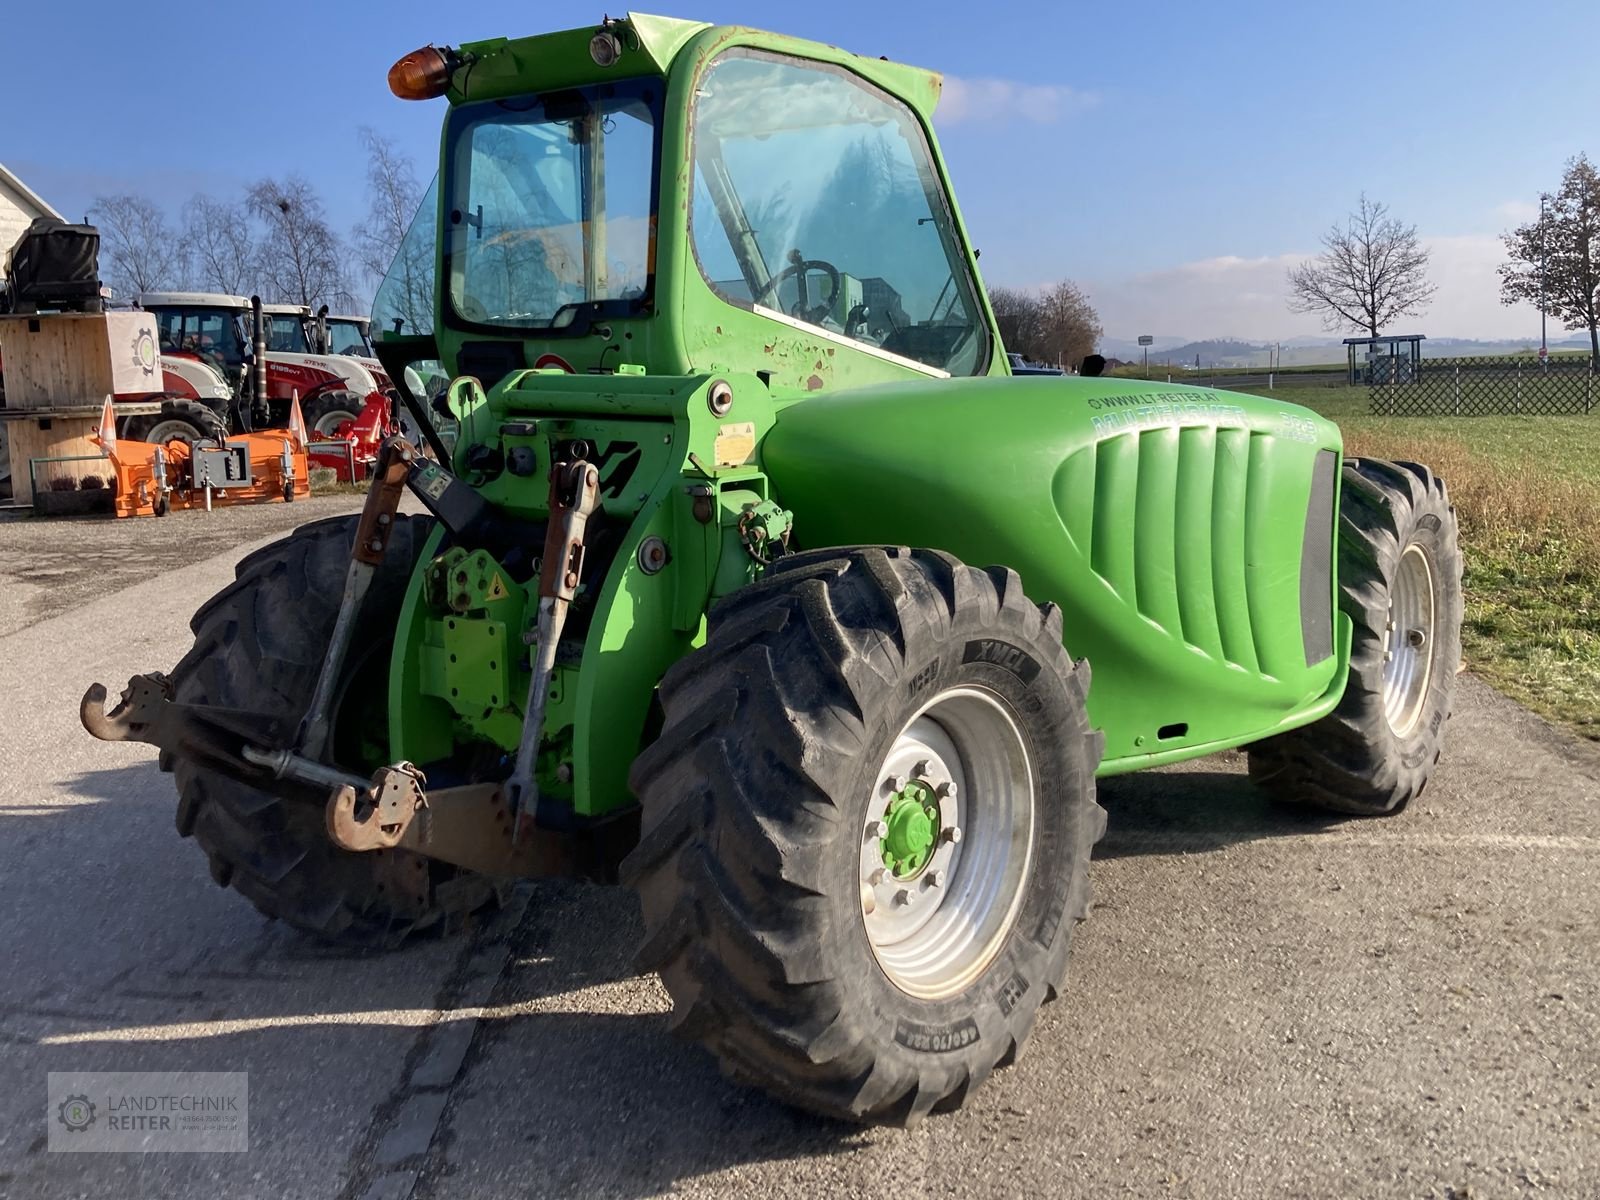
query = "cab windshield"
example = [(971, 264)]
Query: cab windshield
[(551, 205)]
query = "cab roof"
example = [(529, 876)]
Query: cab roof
[(499, 67), (214, 300), (191, 300)]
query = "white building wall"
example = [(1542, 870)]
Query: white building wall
[(18, 208)]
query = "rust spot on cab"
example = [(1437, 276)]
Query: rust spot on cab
[(813, 383)]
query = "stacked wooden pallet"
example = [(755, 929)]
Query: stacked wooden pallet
[(59, 368)]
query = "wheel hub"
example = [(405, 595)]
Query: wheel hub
[(912, 822)]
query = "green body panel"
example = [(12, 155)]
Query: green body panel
[(643, 430), (1167, 522)]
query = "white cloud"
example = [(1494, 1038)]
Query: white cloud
[(1001, 99), (1516, 212), (1230, 296)]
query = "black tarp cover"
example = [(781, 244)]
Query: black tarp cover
[(54, 263)]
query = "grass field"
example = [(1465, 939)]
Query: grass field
[(1527, 491)]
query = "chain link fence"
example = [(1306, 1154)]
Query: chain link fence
[(1477, 387)]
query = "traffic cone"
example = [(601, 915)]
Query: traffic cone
[(106, 436), (297, 421)]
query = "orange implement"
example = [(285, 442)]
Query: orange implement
[(253, 468)]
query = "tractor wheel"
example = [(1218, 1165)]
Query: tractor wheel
[(866, 830), (187, 421), (1400, 584), (259, 645), (326, 414)]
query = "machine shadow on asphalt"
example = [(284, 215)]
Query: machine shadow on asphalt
[(668, 1113), (1189, 811)]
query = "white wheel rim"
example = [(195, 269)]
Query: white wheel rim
[(938, 921), (328, 423), (172, 430), (1408, 642)]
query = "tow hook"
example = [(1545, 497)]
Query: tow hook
[(377, 817), (225, 740)]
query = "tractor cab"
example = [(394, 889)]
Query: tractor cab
[(348, 335), (812, 240), (287, 328), (202, 325)]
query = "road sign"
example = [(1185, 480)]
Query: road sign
[(1146, 339), (1543, 353)]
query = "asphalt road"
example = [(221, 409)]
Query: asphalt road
[(47, 567), (1262, 1004)]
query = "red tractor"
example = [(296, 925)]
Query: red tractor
[(342, 398)]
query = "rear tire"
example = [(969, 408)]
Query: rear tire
[(259, 645), (187, 421), (1399, 566), (764, 805), (325, 414)]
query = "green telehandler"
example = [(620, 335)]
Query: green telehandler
[(753, 579)]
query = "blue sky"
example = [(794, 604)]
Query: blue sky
[(1173, 158)]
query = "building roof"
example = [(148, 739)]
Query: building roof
[(9, 180), (1388, 337)]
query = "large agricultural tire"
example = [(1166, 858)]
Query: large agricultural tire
[(327, 414), (768, 808), (187, 421), (259, 645), (1400, 585)]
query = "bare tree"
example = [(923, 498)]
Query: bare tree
[(1058, 325), (300, 259), (137, 246), (221, 245), (1372, 271), (1555, 260), (1072, 326), (392, 197), (1017, 314)]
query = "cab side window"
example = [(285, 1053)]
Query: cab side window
[(815, 196)]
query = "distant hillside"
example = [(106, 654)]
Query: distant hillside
[(1216, 352), (1129, 348)]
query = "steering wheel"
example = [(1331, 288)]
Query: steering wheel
[(799, 267)]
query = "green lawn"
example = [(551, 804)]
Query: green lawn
[(1527, 490), (1565, 447)]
